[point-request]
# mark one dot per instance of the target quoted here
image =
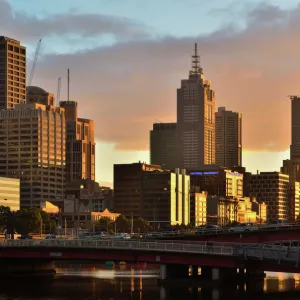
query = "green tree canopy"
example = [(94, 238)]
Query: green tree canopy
[(28, 220), (122, 224), (141, 225)]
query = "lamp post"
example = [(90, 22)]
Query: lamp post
[(154, 214)]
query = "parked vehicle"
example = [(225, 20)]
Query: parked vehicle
[(50, 237), (275, 224), (243, 227), (94, 235), (122, 236), (25, 237), (208, 229)]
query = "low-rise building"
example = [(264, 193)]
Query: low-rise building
[(10, 193), (86, 220), (198, 208), (83, 195), (223, 211), (245, 214), (260, 209)]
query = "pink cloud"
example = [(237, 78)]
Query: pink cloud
[(128, 86)]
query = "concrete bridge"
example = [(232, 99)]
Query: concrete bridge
[(217, 260)]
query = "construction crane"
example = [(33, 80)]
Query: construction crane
[(37, 51), (58, 91)]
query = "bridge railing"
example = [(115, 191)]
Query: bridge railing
[(279, 252), (199, 248)]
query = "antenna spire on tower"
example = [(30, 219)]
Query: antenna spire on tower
[(196, 67)]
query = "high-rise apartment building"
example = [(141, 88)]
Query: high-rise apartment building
[(159, 196), (272, 188), (12, 73), (32, 148), (80, 145), (196, 118), (164, 145), (228, 138)]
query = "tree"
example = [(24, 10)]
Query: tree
[(28, 220), (103, 224), (141, 225), (122, 224), (4, 214)]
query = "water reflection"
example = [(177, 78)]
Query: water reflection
[(96, 282)]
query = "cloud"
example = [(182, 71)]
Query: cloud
[(30, 28), (130, 85)]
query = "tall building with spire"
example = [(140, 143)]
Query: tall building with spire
[(196, 118)]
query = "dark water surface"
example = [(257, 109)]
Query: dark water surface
[(137, 282)]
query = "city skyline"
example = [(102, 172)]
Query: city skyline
[(242, 79)]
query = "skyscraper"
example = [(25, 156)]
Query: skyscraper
[(291, 166), (228, 138), (196, 118), (32, 148), (80, 150), (12, 72), (164, 145)]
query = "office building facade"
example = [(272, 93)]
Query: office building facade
[(32, 148), (159, 196), (228, 138), (196, 119), (273, 189), (12, 73), (80, 145), (36, 94), (10, 193), (198, 208), (217, 181), (164, 145)]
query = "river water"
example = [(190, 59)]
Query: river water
[(139, 282)]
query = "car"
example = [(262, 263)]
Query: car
[(208, 229), (275, 224), (94, 235), (243, 227), (50, 237), (25, 237), (121, 236)]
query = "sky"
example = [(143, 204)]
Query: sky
[(127, 58)]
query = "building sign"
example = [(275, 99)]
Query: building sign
[(204, 173), (235, 174)]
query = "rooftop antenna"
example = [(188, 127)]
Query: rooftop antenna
[(196, 68), (68, 84), (58, 91)]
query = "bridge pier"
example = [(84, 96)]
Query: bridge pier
[(174, 271), (30, 267), (195, 271), (223, 274)]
